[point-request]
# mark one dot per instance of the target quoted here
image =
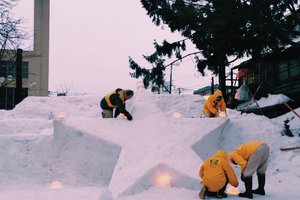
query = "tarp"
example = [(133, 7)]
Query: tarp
[(242, 72)]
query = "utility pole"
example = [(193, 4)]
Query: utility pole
[(171, 78), (171, 69)]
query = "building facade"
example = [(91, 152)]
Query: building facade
[(34, 65), (275, 73), (38, 59)]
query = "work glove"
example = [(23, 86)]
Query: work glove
[(129, 117)]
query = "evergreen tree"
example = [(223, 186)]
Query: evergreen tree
[(220, 30)]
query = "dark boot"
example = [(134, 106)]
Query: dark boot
[(248, 186), (202, 193), (221, 193), (261, 184)]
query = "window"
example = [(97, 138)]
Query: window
[(8, 72), (294, 67), (282, 71)]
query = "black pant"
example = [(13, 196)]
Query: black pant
[(222, 190)]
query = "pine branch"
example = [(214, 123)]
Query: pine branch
[(197, 52)]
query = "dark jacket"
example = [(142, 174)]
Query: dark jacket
[(114, 100)]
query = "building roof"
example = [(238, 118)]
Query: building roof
[(206, 89)]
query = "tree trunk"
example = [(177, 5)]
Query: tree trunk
[(222, 81)]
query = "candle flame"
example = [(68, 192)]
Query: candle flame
[(176, 115), (56, 185), (163, 179), (232, 190)]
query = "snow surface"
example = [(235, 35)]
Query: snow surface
[(60, 148), (270, 100)]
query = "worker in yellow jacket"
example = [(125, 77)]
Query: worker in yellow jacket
[(216, 172), (252, 157), (214, 105), (115, 102)]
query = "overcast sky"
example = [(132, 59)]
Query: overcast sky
[(90, 42)]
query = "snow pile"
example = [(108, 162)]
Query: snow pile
[(270, 100), (60, 148)]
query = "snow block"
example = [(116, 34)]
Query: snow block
[(210, 143), (80, 158), (162, 175), (24, 159), (68, 156)]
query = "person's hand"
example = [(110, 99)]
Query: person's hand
[(129, 117)]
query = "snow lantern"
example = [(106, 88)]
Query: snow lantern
[(121, 116), (222, 114), (140, 84), (61, 116), (232, 190), (177, 115), (56, 185), (163, 179)]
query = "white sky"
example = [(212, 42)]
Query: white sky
[(90, 42), (62, 149)]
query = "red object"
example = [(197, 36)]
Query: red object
[(242, 72), (291, 109), (289, 148)]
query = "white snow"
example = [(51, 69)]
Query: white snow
[(270, 100), (60, 148)]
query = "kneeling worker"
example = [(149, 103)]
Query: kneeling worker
[(214, 104), (216, 172), (116, 100)]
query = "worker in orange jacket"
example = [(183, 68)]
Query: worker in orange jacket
[(213, 105), (216, 172), (252, 157), (114, 102)]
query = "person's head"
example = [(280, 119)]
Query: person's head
[(128, 94), (218, 95), (231, 159), (219, 98)]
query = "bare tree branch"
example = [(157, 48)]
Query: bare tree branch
[(11, 37)]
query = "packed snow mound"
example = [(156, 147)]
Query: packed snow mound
[(187, 105), (48, 107), (64, 142), (69, 156)]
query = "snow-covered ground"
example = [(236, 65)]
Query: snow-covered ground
[(60, 148)]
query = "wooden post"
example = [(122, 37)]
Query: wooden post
[(289, 148), (18, 94), (291, 109)]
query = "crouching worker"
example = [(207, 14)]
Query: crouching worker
[(252, 156), (216, 172), (214, 105), (116, 100)]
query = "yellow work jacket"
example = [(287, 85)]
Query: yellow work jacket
[(121, 95), (211, 107), (216, 170), (242, 153)]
